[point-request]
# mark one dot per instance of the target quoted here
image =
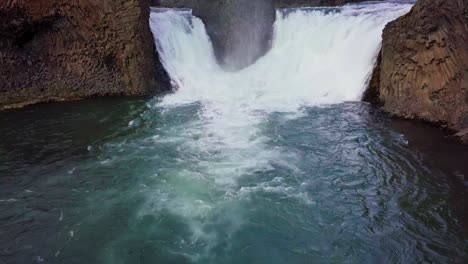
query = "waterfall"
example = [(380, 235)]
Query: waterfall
[(318, 56)]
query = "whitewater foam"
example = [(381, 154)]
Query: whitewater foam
[(318, 57)]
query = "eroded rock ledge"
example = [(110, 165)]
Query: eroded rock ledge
[(423, 69), (64, 50)]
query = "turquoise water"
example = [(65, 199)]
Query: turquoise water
[(276, 163), (339, 184)]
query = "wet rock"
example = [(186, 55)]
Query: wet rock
[(63, 50), (462, 135), (423, 72)]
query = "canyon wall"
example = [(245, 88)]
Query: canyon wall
[(53, 50), (423, 68)]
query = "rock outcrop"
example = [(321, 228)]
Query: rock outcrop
[(64, 50), (423, 72)]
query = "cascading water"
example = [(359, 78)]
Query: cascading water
[(319, 56), (276, 163)]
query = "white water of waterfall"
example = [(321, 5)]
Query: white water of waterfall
[(319, 57)]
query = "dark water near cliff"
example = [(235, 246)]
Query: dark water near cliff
[(337, 184)]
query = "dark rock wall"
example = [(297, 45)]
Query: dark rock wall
[(423, 72), (68, 49)]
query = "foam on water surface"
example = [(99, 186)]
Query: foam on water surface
[(318, 57)]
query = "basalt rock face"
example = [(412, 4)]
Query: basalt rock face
[(63, 50), (423, 72)]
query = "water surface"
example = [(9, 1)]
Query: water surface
[(79, 185)]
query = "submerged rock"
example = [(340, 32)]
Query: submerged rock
[(62, 50), (423, 72)]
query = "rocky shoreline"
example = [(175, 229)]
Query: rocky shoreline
[(422, 71)]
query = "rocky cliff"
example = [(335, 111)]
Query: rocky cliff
[(423, 69), (68, 49)]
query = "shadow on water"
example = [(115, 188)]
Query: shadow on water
[(444, 153)]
